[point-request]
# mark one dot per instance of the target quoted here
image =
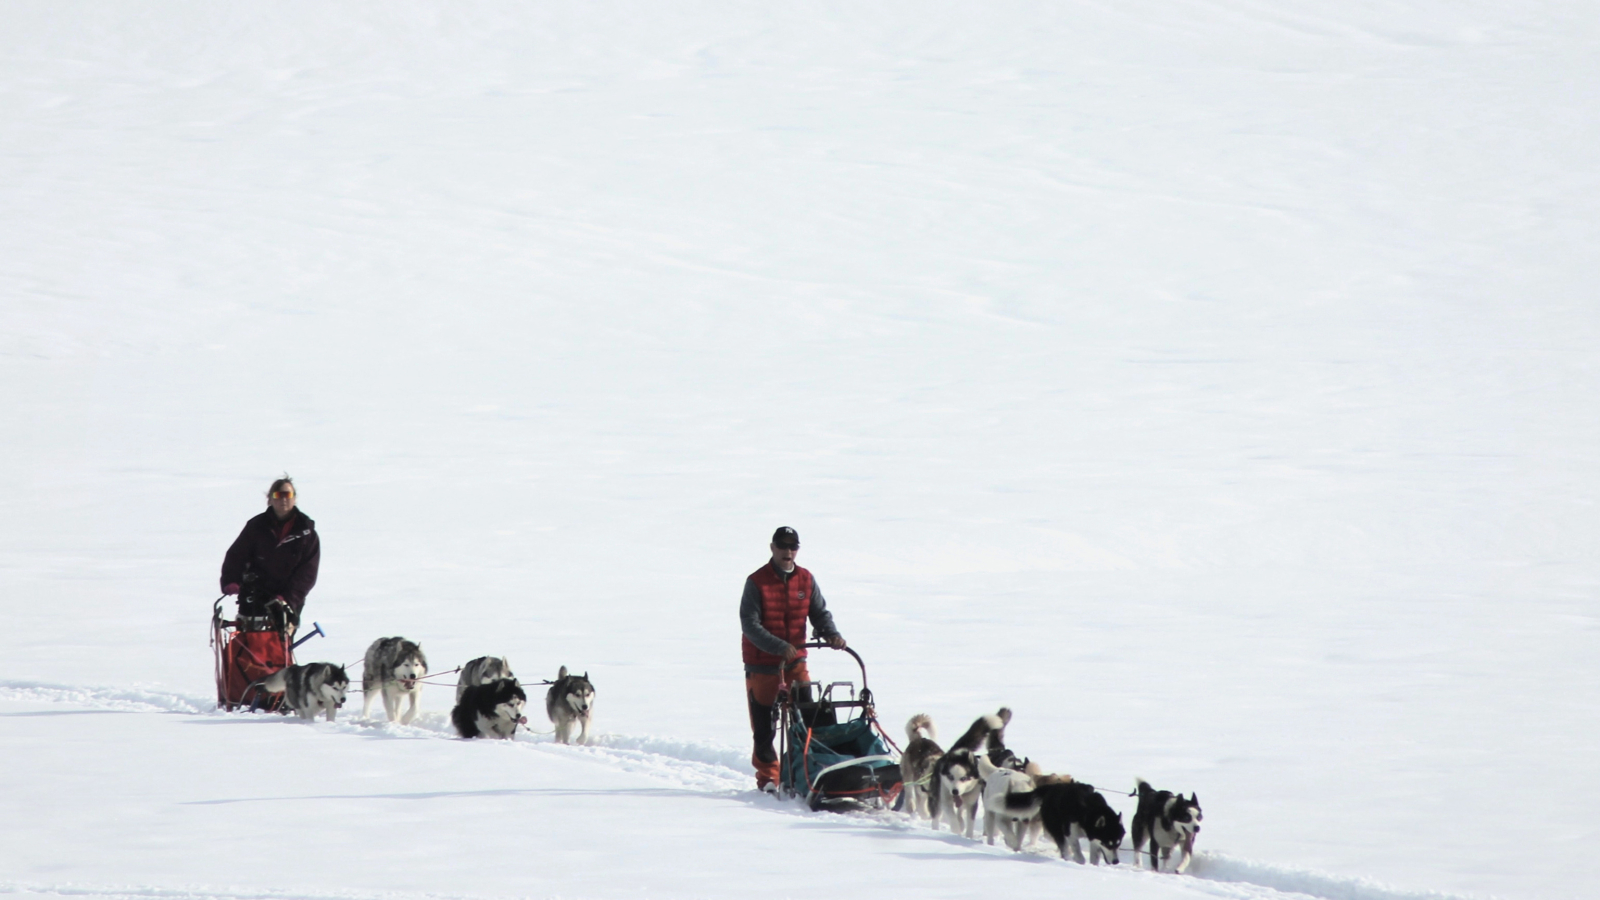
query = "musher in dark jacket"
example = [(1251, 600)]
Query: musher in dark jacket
[(779, 598), (272, 565)]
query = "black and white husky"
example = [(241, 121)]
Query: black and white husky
[(1071, 811), (311, 689), (394, 667), (957, 787), (1010, 804), (922, 753), (491, 710), (568, 703), (482, 670), (1166, 820)]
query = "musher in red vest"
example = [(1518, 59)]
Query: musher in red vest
[(272, 564), (779, 598)]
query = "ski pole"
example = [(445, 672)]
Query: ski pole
[(316, 629)]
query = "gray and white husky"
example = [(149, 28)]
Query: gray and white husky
[(482, 670), (957, 787), (394, 667), (917, 762), (311, 689), (1167, 821), (569, 702)]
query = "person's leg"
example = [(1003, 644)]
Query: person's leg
[(761, 691)]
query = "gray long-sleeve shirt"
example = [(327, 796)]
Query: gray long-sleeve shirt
[(750, 619)]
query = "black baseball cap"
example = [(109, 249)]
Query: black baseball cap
[(786, 537)]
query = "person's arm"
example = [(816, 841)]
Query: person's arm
[(233, 562), (822, 620), (305, 575), (750, 623)]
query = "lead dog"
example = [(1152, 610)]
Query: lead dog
[(482, 670), (957, 788), (492, 710), (917, 762), (569, 702), (1072, 811), (1167, 820), (311, 689), (393, 667), (1010, 804)]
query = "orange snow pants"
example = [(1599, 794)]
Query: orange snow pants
[(761, 689)]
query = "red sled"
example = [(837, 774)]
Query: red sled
[(246, 650)]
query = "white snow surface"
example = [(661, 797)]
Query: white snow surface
[(1211, 382)]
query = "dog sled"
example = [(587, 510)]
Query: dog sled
[(249, 647), (832, 751)]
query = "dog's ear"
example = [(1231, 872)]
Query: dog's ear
[(1195, 799), (585, 676)]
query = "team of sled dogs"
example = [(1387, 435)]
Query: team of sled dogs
[(1019, 799), (489, 699)]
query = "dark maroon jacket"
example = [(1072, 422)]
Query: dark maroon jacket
[(285, 555)]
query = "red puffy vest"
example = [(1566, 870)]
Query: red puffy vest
[(785, 608)]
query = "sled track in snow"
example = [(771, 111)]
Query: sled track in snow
[(691, 764), (150, 892)]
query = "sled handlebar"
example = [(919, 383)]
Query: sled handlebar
[(817, 645)]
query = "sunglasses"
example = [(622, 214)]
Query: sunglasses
[(282, 495)]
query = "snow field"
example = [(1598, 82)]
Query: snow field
[(370, 800), (1211, 382)]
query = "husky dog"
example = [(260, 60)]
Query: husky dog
[(1041, 777), (922, 753), (309, 689), (1167, 820), (482, 670), (1010, 804), (393, 666), (955, 777), (570, 701), (492, 709), (1071, 811)]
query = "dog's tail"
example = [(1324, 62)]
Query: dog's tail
[(921, 726), (276, 683), (561, 674), (997, 737), (1022, 799), (979, 731), (1142, 787)]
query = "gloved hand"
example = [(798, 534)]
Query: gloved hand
[(836, 642), (229, 590)]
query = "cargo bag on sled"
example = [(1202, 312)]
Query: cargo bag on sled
[(844, 765), (835, 765), (244, 657)]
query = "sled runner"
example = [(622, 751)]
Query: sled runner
[(833, 764), (248, 648)]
